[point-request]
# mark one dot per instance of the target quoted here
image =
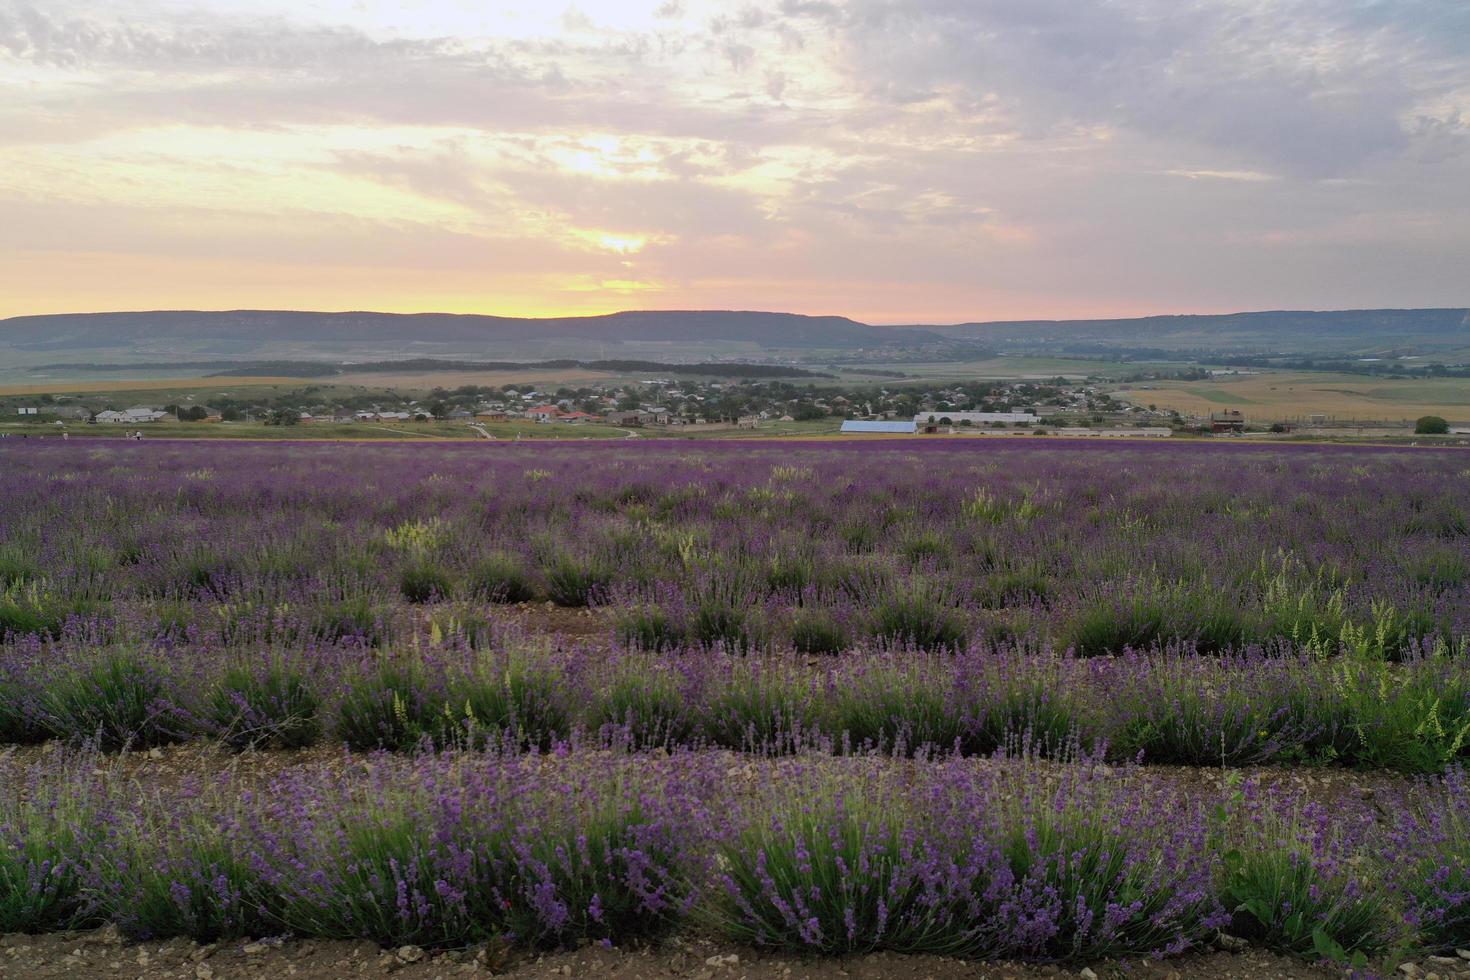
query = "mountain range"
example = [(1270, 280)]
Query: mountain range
[(241, 331)]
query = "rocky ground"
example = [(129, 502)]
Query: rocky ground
[(103, 953)]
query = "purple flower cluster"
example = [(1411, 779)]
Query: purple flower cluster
[(1166, 707), (1015, 858), (820, 546)]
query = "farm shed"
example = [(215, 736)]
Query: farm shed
[(904, 428), (1227, 421)]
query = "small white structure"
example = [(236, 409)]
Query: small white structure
[(28, 410), (853, 426), (133, 416)]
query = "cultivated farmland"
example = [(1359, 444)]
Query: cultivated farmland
[(1018, 702)]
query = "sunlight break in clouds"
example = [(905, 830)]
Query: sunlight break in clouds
[(923, 160)]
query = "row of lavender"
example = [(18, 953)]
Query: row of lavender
[(815, 546), (1009, 858), (1285, 706)]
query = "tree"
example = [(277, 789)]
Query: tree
[(1431, 425), (439, 410), (230, 415), (282, 416)]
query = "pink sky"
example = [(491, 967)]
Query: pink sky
[(889, 160)]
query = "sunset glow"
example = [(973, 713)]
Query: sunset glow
[(892, 161)]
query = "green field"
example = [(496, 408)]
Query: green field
[(1004, 368), (1284, 395)]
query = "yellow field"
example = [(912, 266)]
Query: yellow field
[(1287, 396), (455, 379), (154, 384)]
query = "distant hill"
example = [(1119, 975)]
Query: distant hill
[(1267, 330), (277, 334), (255, 328)]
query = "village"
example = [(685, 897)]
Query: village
[(646, 404), (1091, 407)]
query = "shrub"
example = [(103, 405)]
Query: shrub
[(759, 710), (43, 880), (897, 711), (388, 707), (17, 713), (516, 701), (35, 613), (839, 878), (380, 879), (118, 701), (718, 621), (353, 617), (248, 708), (924, 546), (1104, 628), (575, 581), (643, 706), (1413, 719), (15, 569), (1292, 885), (1039, 712), (1439, 569), (1431, 425), (818, 631), (618, 874), (914, 616), (501, 577), (424, 582), (543, 869), (1019, 586), (1428, 855), (648, 627), (179, 878), (790, 573), (960, 866)]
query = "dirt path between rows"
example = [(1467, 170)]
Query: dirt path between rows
[(102, 953)]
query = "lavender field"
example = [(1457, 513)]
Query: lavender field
[(947, 698)]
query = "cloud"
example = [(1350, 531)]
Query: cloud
[(1056, 152), (1310, 86)]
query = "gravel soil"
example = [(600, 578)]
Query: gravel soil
[(103, 953), (169, 767)]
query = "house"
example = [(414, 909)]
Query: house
[(491, 415), (544, 413), (132, 416), (641, 416), (459, 415), (853, 427), (1230, 420), (580, 417)]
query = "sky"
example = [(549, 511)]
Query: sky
[(915, 161)]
